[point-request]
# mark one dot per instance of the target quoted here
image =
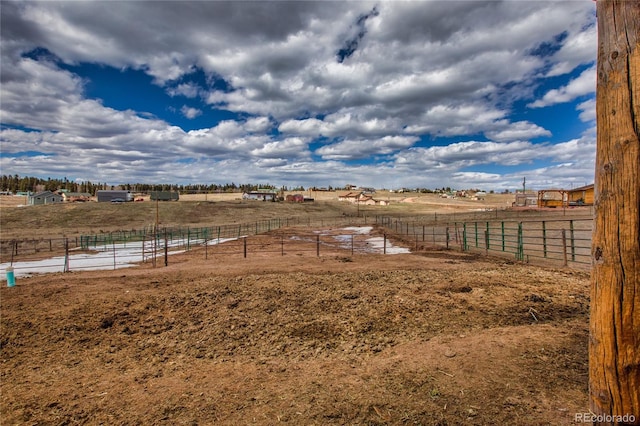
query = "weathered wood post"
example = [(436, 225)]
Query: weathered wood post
[(614, 344)]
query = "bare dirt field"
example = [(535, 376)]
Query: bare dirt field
[(436, 338)]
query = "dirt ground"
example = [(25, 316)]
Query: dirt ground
[(440, 338)]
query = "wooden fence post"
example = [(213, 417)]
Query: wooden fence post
[(447, 236), (66, 255), (614, 343), (486, 242), (544, 239), (564, 247), (166, 248), (244, 244)]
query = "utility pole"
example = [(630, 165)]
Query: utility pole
[(614, 341)]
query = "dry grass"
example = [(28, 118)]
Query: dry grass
[(20, 221)]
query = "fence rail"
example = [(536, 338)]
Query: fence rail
[(556, 241), (565, 242), (291, 241)]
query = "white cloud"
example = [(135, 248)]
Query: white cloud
[(576, 50), (343, 123), (584, 84), (354, 149), (188, 90), (189, 112), (521, 130), (421, 71), (587, 110)]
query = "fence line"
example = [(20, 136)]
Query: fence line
[(565, 242), (290, 242)]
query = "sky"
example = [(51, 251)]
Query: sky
[(385, 94)]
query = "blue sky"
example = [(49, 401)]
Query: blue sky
[(461, 94)]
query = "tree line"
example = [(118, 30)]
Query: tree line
[(16, 183)]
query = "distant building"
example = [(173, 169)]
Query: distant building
[(260, 195), (526, 200), (350, 196), (44, 197), (105, 196), (367, 190), (164, 196), (72, 197), (582, 196), (295, 198), (552, 198), (361, 198)]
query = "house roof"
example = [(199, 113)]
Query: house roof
[(349, 194), (582, 188), (44, 194), (77, 194)]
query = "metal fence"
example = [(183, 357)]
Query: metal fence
[(126, 248), (565, 242), (556, 241)]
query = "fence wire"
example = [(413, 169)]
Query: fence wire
[(565, 242), (555, 241)]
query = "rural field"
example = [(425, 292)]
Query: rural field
[(433, 338)]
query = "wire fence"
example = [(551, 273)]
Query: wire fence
[(565, 242), (126, 248), (553, 241)]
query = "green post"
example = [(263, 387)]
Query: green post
[(502, 228), (520, 252)]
